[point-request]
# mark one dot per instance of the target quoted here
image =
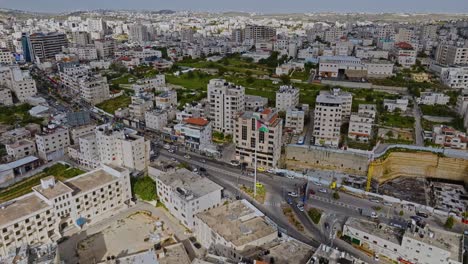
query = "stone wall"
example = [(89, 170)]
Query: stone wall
[(419, 164), (303, 157)]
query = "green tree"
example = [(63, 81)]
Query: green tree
[(401, 213), (336, 195), (145, 188), (315, 214), (285, 79), (450, 222)]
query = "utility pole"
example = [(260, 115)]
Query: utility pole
[(255, 165)]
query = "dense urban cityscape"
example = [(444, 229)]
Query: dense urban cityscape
[(198, 137)]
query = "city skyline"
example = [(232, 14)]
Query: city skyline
[(297, 6)]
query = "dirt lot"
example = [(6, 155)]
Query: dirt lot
[(409, 189)]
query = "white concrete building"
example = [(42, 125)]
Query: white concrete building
[(449, 137), (6, 56), (287, 97), (430, 98), (391, 105), (41, 216), (405, 54), (166, 100), (425, 246), (249, 136), (122, 147), (20, 82), (341, 67), (157, 83), (185, 193), (451, 55), (346, 101), (379, 69), (294, 120), (85, 151), (156, 119), (5, 96), (86, 53), (20, 149), (195, 133), (141, 104), (226, 101), (233, 228), (94, 89), (361, 123), (455, 77), (328, 116), (51, 143), (252, 102)]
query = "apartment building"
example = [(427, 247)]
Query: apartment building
[(141, 103), (287, 97), (80, 131), (122, 147), (451, 55), (449, 137), (44, 46), (226, 101), (252, 102), (21, 149), (361, 123), (94, 89), (417, 244), (105, 47), (138, 33), (51, 143), (41, 216), (85, 151), (156, 119), (462, 102), (233, 228), (84, 53), (346, 101), (341, 67), (259, 131), (185, 193), (6, 56), (166, 100), (455, 77), (156, 83), (81, 38), (404, 54), (195, 133), (430, 98), (294, 120), (259, 33), (5, 96), (328, 116), (18, 81)]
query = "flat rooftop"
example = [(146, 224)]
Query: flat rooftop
[(175, 254), (445, 240), (195, 185), (90, 180), (50, 193), (21, 207), (237, 222), (391, 234), (291, 252)]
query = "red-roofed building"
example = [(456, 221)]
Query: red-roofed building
[(404, 54), (195, 133), (449, 137)]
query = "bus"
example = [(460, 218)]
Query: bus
[(300, 141)]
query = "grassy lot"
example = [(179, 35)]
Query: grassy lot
[(437, 110), (115, 103), (195, 80), (60, 171), (287, 211), (261, 192), (396, 120), (300, 75), (124, 79), (17, 114), (315, 214), (232, 63)]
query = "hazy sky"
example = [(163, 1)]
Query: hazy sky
[(265, 6)]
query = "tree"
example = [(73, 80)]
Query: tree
[(285, 79), (190, 75), (336, 195), (449, 222), (401, 213), (145, 188)]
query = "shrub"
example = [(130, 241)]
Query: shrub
[(315, 214), (145, 188), (449, 223)]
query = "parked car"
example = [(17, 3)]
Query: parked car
[(187, 156), (300, 207), (416, 218), (293, 194), (317, 183), (235, 163), (170, 150), (261, 169), (421, 214), (289, 176), (323, 190), (271, 171), (203, 161)]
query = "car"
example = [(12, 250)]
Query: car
[(195, 170), (416, 218), (259, 185), (317, 183), (388, 204), (280, 174), (311, 192), (374, 200), (203, 161), (187, 156), (289, 176), (261, 169), (374, 215), (173, 159), (290, 201), (202, 169), (376, 257), (170, 150), (421, 214), (251, 174), (323, 190), (235, 163), (293, 194), (167, 147), (271, 171), (300, 207), (197, 245)]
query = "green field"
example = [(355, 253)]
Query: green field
[(111, 105), (233, 63), (437, 110), (396, 120), (19, 114), (60, 171)]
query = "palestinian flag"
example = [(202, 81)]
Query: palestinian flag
[(261, 126)]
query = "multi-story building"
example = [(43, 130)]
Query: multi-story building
[(287, 97), (51, 143), (341, 67), (156, 83), (258, 132), (391, 105), (346, 101), (94, 89), (226, 101), (455, 77), (53, 206), (85, 152), (81, 38), (379, 68), (462, 102), (185, 193), (253, 102), (166, 100), (105, 47), (233, 228), (195, 133), (84, 53), (327, 120), (451, 55), (138, 33), (417, 244), (122, 147), (361, 123), (259, 33), (294, 120), (6, 56), (20, 149), (141, 103), (156, 119), (5, 96), (45, 46), (18, 81), (430, 98), (449, 137), (404, 54)]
